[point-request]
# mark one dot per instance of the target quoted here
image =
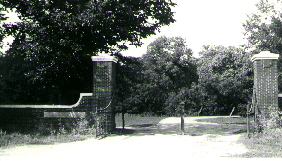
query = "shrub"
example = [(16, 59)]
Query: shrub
[(273, 121), (83, 127), (64, 126)]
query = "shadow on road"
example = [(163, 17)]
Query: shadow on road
[(193, 129)]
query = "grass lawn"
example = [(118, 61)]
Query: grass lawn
[(137, 120), (227, 120), (138, 125)]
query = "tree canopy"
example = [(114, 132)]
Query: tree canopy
[(2, 18), (55, 39), (264, 27), (128, 80), (49, 60), (168, 66), (226, 74), (87, 26), (263, 30)]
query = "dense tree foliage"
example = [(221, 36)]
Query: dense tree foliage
[(88, 26), (263, 30), (55, 39), (2, 18), (2, 15), (226, 75), (167, 67), (128, 80), (220, 80)]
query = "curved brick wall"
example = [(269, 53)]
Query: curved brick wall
[(90, 106)]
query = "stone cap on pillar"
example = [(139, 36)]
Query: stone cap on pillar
[(265, 55), (104, 57)]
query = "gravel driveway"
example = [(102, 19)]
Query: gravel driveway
[(135, 147)]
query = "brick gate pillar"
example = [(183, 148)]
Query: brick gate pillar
[(265, 88), (104, 70)]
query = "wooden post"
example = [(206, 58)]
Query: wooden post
[(232, 111), (182, 118), (248, 120)]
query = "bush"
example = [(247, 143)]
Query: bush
[(267, 123), (82, 127), (275, 133), (64, 126), (49, 131)]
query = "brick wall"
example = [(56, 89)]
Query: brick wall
[(266, 84), (26, 118), (265, 87), (99, 105), (104, 68)]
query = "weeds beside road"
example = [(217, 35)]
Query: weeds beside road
[(263, 145)]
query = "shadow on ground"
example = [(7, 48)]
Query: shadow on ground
[(192, 129)]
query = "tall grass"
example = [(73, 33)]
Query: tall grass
[(49, 132), (266, 141), (267, 144)]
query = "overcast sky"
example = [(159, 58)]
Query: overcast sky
[(203, 22)]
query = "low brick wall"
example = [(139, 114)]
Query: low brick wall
[(27, 117), (98, 108)]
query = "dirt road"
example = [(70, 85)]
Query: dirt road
[(136, 147)]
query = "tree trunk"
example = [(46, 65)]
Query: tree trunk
[(122, 117)]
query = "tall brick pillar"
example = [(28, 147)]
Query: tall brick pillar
[(265, 88), (104, 69)]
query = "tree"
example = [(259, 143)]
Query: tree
[(2, 18), (168, 66), (197, 101), (127, 79), (226, 74), (57, 38), (12, 87), (89, 26), (263, 30)]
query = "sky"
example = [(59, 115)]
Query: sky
[(204, 22), (200, 22)]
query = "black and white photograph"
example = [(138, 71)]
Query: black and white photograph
[(140, 80)]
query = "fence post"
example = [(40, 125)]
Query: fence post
[(182, 104)]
